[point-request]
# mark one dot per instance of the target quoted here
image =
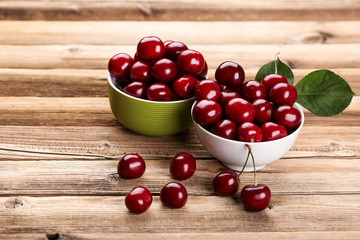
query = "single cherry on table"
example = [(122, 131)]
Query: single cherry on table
[(226, 183), (182, 166), (256, 198), (138, 200), (131, 166), (173, 195)]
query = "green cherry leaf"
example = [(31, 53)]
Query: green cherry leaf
[(281, 68), (324, 93)]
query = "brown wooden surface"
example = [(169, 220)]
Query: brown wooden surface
[(60, 143)]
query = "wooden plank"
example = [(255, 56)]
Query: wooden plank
[(128, 32), (298, 56), (201, 214), (180, 10)]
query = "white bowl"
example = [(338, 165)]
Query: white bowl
[(233, 153)]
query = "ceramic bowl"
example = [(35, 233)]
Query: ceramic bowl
[(233, 153), (149, 117)]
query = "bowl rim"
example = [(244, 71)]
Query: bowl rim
[(110, 82), (296, 105)]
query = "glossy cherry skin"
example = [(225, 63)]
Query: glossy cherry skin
[(131, 166), (119, 65), (249, 132), (206, 112), (138, 200), (140, 71), (159, 92), (191, 62), (256, 198), (272, 79), (225, 128), (204, 72), (173, 195), (226, 183), (272, 131), (164, 70), (184, 87), (167, 42), (150, 48), (226, 96), (287, 116), (136, 89), (230, 74), (173, 49), (252, 90), (263, 110), (283, 94), (182, 166), (240, 110), (207, 89)]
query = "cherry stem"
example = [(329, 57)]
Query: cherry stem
[(242, 170), (276, 61), (253, 160)]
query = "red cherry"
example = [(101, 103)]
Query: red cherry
[(173, 49), (272, 131), (249, 132), (131, 166), (136, 57), (287, 116), (240, 110), (191, 61), (173, 195), (263, 110), (225, 88), (230, 74), (150, 48), (167, 42), (204, 72), (159, 92), (122, 82), (138, 200), (252, 90), (283, 94), (136, 89), (226, 183), (225, 128), (272, 79), (164, 70), (256, 198), (140, 71), (184, 87), (182, 166), (119, 65), (226, 96), (207, 112), (207, 89)]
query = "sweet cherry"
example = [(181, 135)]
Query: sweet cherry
[(252, 90), (203, 73), (263, 110), (182, 166), (140, 71), (207, 89), (173, 195), (256, 198), (206, 112), (271, 80), (249, 132), (138, 200), (159, 92), (184, 87), (225, 128), (283, 94), (131, 166), (191, 62), (136, 89), (272, 131), (173, 49), (164, 70), (287, 116), (150, 48), (226, 96), (167, 42), (119, 65), (230, 74), (226, 183), (240, 110)]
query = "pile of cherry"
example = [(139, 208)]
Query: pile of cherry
[(159, 71)]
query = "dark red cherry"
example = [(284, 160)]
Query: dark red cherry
[(191, 62), (287, 116), (226, 96), (263, 110), (249, 132), (150, 48), (252, 90), (173, 195), (136, 89), (182, 166), (207, 112), (122, 82), (240, 110), (131, 166), (256, 198), (172, 50), (226, 183), (272, 131), (184, 87), (167, 42), (225, 128), (207, 89), (230, 74), (159, 92), (204, 72), (138, 200), (119, 65), (164, 70), (272, 79), (140, 71), (283, 94)]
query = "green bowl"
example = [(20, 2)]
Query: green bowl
[(149, 117)]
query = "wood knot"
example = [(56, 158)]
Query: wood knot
[(314, 37), (114, 177), (57, 236), (145, 9), (14, 203)]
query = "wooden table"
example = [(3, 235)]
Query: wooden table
[(60, 143)]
